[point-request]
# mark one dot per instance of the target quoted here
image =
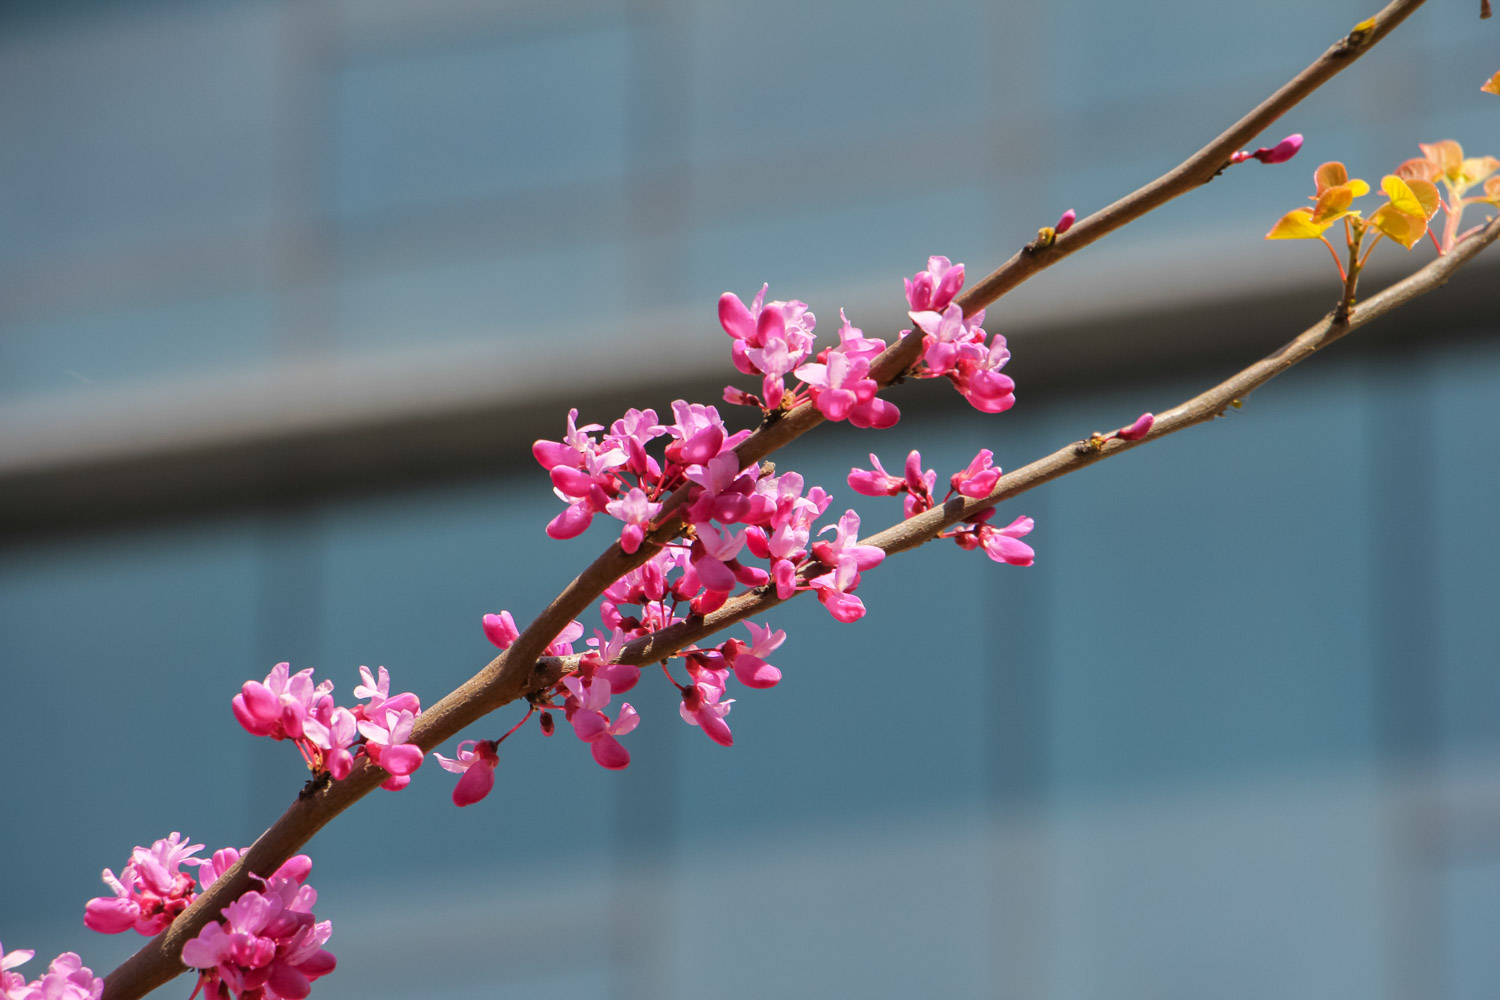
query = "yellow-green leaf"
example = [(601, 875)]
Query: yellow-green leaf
[(1403, 199), (1297, 224), (1427, 194), (1398, 225)]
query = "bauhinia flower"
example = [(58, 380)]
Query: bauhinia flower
[(477, 764), (150, 891), (67, 978), (269, 946)]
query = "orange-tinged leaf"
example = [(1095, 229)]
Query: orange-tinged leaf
[(1419, 169), (1398, 225), (1330, 174), (1448, 155), (1427, 194), (1333, 204), (1477, 168), (1297, 224), (1492, 189), (1492, 85)]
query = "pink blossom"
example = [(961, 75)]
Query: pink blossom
[(477, 765), (1279, 153), (269, 944), (842, 390), (1066, 221), (67, 978), (935, 287), (589, 698), (701, 706), (845, 558), (150, 891), (875, 482), (749, 662), (562, 643), (979, 478), (1137, 430), (571, 450), (1000, 544), (387, 743), (501, 629), (636, 511), (12, 983), (277, 707)]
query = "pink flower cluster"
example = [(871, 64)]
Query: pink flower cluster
[(329, 736), (976, 480), (732, 512), (953, 345), (269, 946), (149, 892), (66, 979), (772, 339)]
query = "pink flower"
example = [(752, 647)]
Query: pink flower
[(636, 511), (67, 978), (749, 662), (876, 482), (935, 287), (277, 707), (12, 983), (268, 945), (477, 765), (387, 736), (501, 629), (701, 707), (1000, 544), (978, 479), (1279, 153), (589, 698), (1137, 430), (150, 892), (842, 390)]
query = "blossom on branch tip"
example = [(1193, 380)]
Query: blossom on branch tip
[(1279, 153)]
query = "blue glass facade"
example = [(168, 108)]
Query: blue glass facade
[(1233, 735)]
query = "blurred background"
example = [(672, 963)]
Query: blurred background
[(288, 288)]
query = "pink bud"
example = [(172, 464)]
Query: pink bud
[(1137, 430), (1066, 222)]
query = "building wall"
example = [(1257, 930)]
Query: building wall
[(1234, 735)]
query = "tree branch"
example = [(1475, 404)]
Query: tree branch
[(521, 669)]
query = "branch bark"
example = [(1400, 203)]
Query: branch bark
[(522, 669)]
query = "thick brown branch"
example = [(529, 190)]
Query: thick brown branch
[(520, 669)]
